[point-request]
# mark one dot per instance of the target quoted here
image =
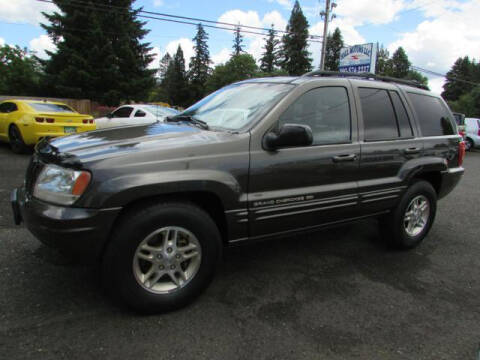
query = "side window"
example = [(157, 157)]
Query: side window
[(123, 112), (433, 117), (140, 113), (8, 107), (326, 111), (403, 121), (379, 120)]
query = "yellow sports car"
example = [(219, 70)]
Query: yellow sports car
[(25, 122)]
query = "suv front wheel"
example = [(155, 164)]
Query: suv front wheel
[(410, 221), (161, 257)]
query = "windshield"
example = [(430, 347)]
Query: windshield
[(236, 106), (47, 107), (160, 110)]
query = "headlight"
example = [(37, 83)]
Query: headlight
[(60, 185)]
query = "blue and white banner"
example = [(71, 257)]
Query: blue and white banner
[(358, 58)]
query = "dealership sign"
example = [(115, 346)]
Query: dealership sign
[(358, 58)]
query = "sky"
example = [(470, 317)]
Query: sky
[(434, 33)]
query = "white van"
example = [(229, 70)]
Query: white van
[(472, 126)]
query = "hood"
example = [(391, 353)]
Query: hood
[(74, 150)]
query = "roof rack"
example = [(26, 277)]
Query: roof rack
[(367, 76)]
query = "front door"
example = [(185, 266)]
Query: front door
[(303, 187)]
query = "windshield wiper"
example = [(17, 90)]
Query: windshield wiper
[(189, 119)]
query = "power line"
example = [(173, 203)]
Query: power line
[(105, 7), (446, 76)]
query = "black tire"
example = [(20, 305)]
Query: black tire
[(16, 140), (468, 144), (392, 225), (134, 226)]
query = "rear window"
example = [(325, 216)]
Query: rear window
[(433, 116), (47, 107)]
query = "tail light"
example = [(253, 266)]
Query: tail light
[(461, 152), (50, 120), (85, 121), (478, 125), (39, 119), (92, 121), (88, 121)]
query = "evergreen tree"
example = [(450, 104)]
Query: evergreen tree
[(199, 64), (296, 58), (399, 65), (175, 82), (163, 66), (464, 69), (100, 55), (237, 42), (270, 60), (332, 51)]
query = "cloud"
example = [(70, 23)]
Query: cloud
[(157, 55), (358, 12), (436, 44), (436, 84), (158, 3), (41, 44), (221, 57), (187, 47), (25, 11), (2, 41)]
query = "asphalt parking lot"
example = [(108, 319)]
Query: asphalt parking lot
[(337, 294)]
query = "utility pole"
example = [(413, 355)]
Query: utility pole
[(326, 19)]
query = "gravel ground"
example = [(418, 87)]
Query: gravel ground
[(336, 294)]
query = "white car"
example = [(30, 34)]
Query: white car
[(472, 130), (137, 114)]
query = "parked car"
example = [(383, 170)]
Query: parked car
[(24, 122), (156, 204), (472, 133), (139, 114)]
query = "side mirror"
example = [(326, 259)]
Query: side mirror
[(109, 115), (289, 135)]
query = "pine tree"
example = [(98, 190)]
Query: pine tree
[(270, 60), (199, 64), (175, 82), (237, 42), (332, 51), (100, 55), (296, 58), (464, 69), (399, 65), (163, 66)]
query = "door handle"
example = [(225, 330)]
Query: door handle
[(412, 150), (346, 157)]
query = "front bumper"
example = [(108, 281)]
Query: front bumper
[(81, 233)]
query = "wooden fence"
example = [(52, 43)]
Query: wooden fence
[(83, 106)]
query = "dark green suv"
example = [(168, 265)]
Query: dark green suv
[(155, 204)]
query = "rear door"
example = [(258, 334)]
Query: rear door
[(388, 142), (303, 187)]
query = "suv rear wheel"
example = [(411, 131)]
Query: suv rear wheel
[(410, 221), (161, 257)]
